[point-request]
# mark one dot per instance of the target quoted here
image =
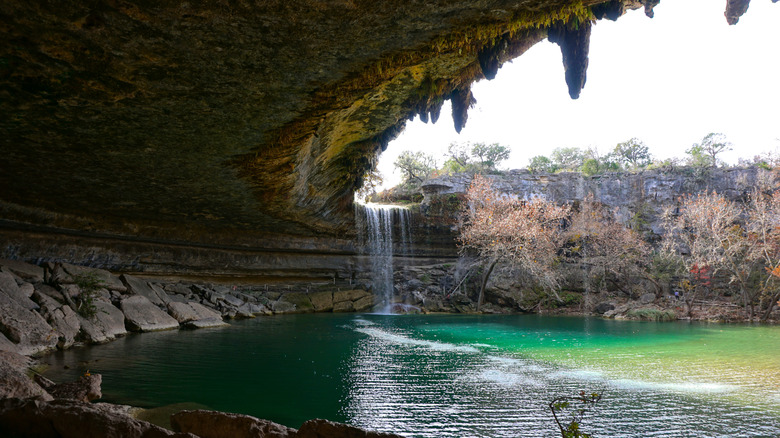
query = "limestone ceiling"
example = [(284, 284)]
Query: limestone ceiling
[(184, 118)]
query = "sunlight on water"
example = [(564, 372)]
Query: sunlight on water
[(455, 376)]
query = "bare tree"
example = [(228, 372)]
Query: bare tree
[(524, 234), (699, 238), (607, 249)]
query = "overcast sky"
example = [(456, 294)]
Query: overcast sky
[(668, 81)]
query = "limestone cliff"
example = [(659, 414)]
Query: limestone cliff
[(639, 198)]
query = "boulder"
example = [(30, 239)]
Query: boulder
[(195, 315), (46, 303), (212, 424), (160, 292), (300, 300), (72, 419), (45, 289), (348, 295), (65, 273), (85, 389), (327, 429), (603, 308), (26, 271), (343, 306), (178, 289), (283, 306), (14, 383), (259, 309), (67, 325), (9, 287), (205, 323), (245, 311), (107, 323), (232, 300), (26, 328), (137, 286), (6, 345), (143, 316), (364, 303), (322, 301), (647, 298)]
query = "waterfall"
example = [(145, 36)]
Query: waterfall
[(376, 232)]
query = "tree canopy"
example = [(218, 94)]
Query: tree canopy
[(415, 166)]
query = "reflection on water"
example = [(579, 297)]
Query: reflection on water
[(457, 376)]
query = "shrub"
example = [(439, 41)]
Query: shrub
[(85, 301)]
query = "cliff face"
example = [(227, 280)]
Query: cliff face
[(638, 198)]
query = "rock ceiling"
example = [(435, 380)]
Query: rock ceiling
[(236, 118)]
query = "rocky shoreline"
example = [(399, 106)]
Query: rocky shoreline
[(59, 306)]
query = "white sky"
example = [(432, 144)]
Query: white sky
[(668, 81)]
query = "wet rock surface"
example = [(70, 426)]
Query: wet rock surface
[(213, 424)]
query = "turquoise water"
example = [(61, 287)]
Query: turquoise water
[(453, 375)]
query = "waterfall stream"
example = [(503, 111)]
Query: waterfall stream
[(379, 224)]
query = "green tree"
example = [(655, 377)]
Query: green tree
[(591, 167), (633, 153), (372, 180), (459, 153), (415, 166), (697, 157), (540, 163), (705, 153), (713, 144), (489, 155), (570, 158)]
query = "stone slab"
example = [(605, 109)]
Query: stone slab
[(143, 316)]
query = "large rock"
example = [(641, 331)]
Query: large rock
[(143, 316), (26, 271), (10, 287), (212, 424), (137, 286), (107, 323), (283, 306), (327, 429), (300, 300), (14, 383), (365, 303), (343, 306), (49, 291), (195, 315), (65, 273), (26, 328), (72, 419), (6, 345), (322, 301), (348, 295), (67, 325), (85, 389)]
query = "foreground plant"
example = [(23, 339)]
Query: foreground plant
[(576, 407)]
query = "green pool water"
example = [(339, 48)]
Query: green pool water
[(453, 375)]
